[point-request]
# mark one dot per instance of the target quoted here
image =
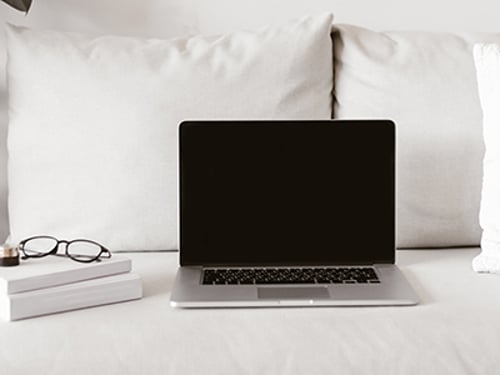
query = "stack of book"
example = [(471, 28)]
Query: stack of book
[(54, 284)]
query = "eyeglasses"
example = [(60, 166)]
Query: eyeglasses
[(80, 250)]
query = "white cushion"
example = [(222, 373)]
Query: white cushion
[(426, 83), (93, 121), (487, 58)]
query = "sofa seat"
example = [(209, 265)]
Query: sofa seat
[(454, 330)]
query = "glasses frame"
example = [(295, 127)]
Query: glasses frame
[(103, 254)]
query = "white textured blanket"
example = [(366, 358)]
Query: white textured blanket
[(455, 330)]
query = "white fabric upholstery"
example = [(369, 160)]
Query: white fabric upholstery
[(454, 330), (93, 121), (426, 83), (487, 59)]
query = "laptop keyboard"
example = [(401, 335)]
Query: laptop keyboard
[(302, 275)]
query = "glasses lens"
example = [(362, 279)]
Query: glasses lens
[(83, 250), (40, 245)]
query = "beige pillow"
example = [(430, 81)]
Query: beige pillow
[(426, 83), (93, 120)]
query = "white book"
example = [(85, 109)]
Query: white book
[(51, 270), (101, 291)]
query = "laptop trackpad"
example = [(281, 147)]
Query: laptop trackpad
[(293, 293)]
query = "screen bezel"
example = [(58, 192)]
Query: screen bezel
[(190, 259)]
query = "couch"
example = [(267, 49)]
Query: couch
[(426, 83)]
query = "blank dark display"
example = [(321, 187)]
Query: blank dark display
[(287, 193)]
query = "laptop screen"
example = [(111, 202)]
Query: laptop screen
[(287, 192)]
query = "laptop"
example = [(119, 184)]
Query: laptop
[(288, 213)]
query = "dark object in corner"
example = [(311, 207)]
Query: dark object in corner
[(9, 256), (21, 5)]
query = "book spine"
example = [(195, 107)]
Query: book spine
[(67, 277), (80, 295)]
